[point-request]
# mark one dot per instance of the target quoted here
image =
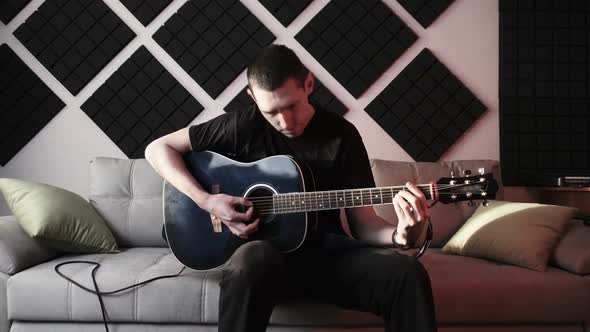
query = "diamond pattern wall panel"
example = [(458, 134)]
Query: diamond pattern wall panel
[(321, 96), (425, 11), (425, 109), (146, 10), (213, 41), (356, 41), (26, 104), (10, 8), (285, 10), (74, 39), (139, 103), (544, 91)]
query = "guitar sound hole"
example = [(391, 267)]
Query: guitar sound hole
[(261, 196)]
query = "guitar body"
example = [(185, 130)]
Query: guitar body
[(190, 230)]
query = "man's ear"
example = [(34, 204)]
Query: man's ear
[(250, 93), (308, 84)]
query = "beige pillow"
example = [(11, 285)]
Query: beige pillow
[(58, 218), (523, 234)]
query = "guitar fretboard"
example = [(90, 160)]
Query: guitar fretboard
[(337, 199)]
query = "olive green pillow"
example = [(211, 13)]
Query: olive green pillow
[(58, 218), (523, 234)]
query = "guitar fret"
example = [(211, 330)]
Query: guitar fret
[(366, 195), (333, 194)]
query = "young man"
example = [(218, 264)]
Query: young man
[(331, 268)]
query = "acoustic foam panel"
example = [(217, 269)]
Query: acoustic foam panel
[(356, 41), (10, 8), (425, 109), (544, 91), (320, 96), (285, 10), (26, 104), (146, 10), (213, 41), (425, 11), (140, 102), (74, 39)]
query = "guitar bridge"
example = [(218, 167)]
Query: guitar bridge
[(216, 224), (214, 220)]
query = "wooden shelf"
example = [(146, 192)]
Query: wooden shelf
[(587, 189)]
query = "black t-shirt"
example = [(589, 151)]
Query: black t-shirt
[(330, 145)]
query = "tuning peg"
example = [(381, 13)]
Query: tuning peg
[(466, 172), (481, 171), (485, 203), (452, 182)]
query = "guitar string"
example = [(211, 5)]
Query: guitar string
[(388, 189), (296, 208), (401, 188), (350, 192), (326, 205)]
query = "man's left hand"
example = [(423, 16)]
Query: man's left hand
[(411, 208)]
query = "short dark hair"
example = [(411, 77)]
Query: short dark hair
[(273, 66)]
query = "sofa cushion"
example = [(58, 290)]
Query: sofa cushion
[(127, 193), (466, 290), (191, 298), (18, 250), (474, 290), (446, 218), (573, 251)]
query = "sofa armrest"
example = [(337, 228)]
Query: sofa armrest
[(4, 322), (573, 251), (18, 250)]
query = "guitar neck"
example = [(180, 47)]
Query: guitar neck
[(338, 199)]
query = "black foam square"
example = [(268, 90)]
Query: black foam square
[(26, 104), (220, 38), (341, 29), (135, 106), (146, 10), (10, 8), (285, 10), (425, 11), (83, 47), (418, 111)]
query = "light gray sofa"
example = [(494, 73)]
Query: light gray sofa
[(470, 294)]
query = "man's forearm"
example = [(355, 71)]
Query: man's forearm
[(170, 165)]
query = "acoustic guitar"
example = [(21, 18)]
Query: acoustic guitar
[(283, 193)]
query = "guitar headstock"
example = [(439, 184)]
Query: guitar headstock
[(467, 188)]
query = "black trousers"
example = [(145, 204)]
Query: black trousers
[(330, 269)]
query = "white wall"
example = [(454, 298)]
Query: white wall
[(464, 38)]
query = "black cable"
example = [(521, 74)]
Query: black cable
[(99, 293)]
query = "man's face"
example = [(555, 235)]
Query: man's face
[(286, 108)]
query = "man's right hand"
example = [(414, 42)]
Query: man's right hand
[(224, 208)]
